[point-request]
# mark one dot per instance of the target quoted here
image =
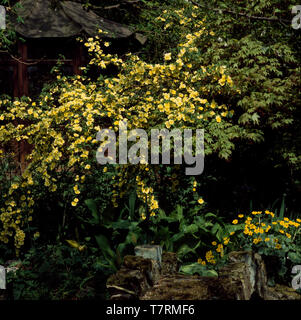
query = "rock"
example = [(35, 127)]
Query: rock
[(150, 268), (243, 278), (9, 266), (248, 268), (185, 287), (136, 275), (2, 278), (152, 252), (179, 287), (137, 263), (236, 281), (170, 263), (255, 281), (236, 275), (140, 272), (280, 292)]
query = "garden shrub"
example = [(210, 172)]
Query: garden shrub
[(62, 126)]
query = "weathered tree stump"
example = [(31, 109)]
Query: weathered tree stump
[(243, 278)]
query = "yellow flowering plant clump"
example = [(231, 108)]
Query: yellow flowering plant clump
[(262, 232), (264, 229), (62, 125)]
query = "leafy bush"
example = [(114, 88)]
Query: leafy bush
[(58, 272), (178, 93)]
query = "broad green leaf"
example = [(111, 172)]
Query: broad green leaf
[(91, 204)]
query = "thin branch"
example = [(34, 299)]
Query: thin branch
[(239, 14), (26, 63), (115, 5), (110, 7), (20, 61)]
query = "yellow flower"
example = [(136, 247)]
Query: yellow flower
[(81, 248), (74, 202), (172, 67), (235, 221), (222, 80), (36, 235), (229, 80), (167, 56), (201, 201), (226, 241), (219, 248)]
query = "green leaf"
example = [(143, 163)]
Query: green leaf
[(218, 231), (177, 236), (210, 214), (197, 268), (120, 224), (184, 250), (179, 213), (294, 257), (191, 228), (104, 246), (91, 204), (132, 202)]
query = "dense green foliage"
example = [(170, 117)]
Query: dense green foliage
[(263, 58)]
